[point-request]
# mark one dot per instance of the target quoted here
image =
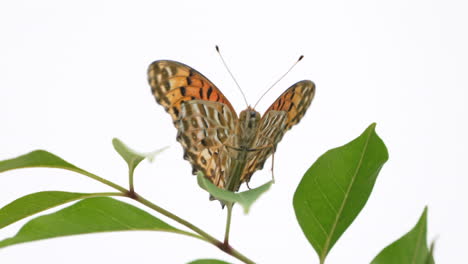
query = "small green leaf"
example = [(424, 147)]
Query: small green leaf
[(336, 187), (132, 157), (38, 202), (245, 199), (410, 248), (39, 158), (208, 261), (430, 256), (98, 214)]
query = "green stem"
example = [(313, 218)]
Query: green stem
[(206, 237), (228, 222), (130, 179), (174, 217), (102, 180), (239, 256)]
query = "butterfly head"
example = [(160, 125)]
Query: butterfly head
[(249, 117)]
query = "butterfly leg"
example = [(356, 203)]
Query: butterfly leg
[(272, 166), (271, 147)]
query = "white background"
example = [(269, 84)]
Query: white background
[(73, 76)]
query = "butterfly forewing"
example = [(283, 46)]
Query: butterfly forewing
[(173, 83), (295, 101)]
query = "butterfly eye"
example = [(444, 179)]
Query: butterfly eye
[(252, 114)]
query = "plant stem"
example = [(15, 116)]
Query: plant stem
[(228, 222), (174, 217), (102, 180), (130, 178), (207, 237)]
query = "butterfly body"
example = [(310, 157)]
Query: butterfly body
[(226, 148), (240, 146)]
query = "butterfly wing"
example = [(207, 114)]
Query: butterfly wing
[(295, 101), (204, 128), (271, 130), (284, 113), (205, 119), (173, 83)]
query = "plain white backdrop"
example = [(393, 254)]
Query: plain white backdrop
[(73, 76)]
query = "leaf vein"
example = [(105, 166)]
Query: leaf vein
[(317, 220), (336, 183), (325, 196), (348, 190)]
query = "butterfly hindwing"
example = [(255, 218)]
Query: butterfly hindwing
[(270, 131), (204, 128)]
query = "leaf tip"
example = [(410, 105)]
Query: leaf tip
[(116, 142), (424, 214)]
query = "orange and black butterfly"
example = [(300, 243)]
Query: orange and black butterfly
[(228, 149)]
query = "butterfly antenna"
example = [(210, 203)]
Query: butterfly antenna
[(232, 76), (273, 85)]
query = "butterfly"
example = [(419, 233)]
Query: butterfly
[(228, 149)]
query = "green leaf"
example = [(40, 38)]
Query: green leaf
[(132, 157), (39, 158), (245, 199), (98, 214), (430, 256), (42, 158), (336, 187), (410, 248), (37, 202), (208, 261)]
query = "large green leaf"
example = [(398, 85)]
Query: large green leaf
[(98, 214), (245, 199), (410, 248), (208, 261), (336, 187), (42, 158), (38, 202), (38, 158)]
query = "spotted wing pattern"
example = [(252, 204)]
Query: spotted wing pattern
[(204, 128), (284, 113), (295, 101), (270, 131), (173, 83)]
